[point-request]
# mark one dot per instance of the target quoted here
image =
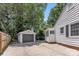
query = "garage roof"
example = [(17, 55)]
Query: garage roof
[(27, 32)]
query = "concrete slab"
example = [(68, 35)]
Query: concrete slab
[(39, 49)]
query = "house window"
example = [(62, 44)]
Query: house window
[(62, 30), (75, 29), (51, 32), (67, 30)]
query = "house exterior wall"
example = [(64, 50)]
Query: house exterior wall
[(49, 37), (67, 17)]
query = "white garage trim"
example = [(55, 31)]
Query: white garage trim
[(20, 35)]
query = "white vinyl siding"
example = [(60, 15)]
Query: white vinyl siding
[(70, 6), (67, 18)]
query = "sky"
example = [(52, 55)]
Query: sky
[(47, 11)]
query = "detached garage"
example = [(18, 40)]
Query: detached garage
[(26, 36)]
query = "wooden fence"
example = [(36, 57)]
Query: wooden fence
[(4, 41)]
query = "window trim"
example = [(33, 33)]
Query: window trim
[(63, 30), (70, 29)]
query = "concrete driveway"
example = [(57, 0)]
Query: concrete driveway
[(38, 49)]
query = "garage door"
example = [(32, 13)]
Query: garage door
[(28, 37)]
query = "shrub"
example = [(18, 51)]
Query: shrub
[(40, 35)]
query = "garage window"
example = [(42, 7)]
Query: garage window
[(75, 29)]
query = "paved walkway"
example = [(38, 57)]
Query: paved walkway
[(39, 49)]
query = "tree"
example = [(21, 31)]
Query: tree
[(35, 15), (54, 14), (18, 17)]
